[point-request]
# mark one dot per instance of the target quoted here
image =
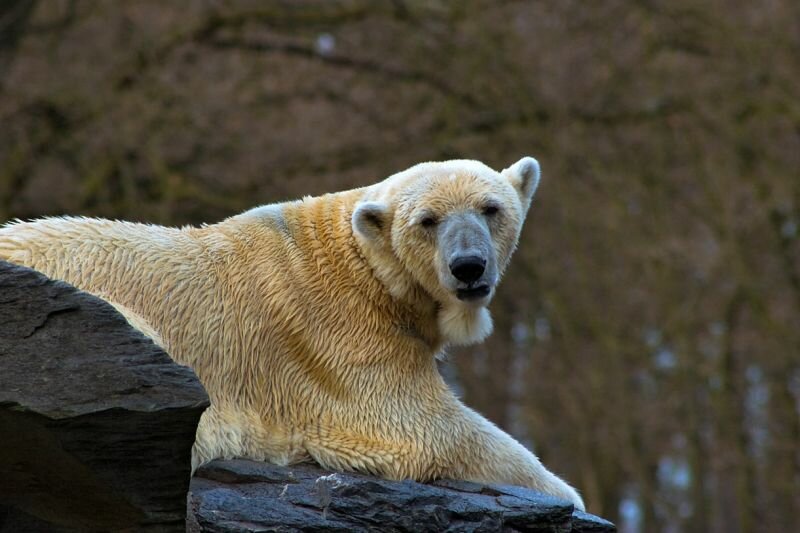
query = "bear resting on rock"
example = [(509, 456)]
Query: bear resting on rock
[(314, 325)]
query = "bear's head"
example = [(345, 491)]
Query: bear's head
[(448, 229)]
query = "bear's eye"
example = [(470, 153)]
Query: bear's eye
[(490, 210), (428, 222)]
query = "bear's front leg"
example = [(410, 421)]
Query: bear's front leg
[(486, 454), (228, 431)]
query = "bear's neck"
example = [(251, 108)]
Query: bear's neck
[(377, 286)]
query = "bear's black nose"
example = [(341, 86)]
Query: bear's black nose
[(468, 269)]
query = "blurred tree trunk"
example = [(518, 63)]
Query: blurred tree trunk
[(783, 466), (14, 17), (736, 478)]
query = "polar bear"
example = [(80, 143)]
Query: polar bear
[(314, 325)]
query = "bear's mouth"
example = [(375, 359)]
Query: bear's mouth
[(474, 293)]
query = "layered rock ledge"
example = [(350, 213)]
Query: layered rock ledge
[(247, 496), (96, 422)]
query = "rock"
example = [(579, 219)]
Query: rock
[(96, 421), (246, 496)]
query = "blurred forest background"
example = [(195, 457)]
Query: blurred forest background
[(647, 341)]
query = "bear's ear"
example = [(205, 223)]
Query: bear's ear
[(524, 176), (371, 220)]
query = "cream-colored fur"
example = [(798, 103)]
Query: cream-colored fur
[(314, 324)]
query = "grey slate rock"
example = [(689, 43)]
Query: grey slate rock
[(96, 421), (246, 496), (589, 523)]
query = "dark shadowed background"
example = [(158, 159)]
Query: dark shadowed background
[(647, 340)]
